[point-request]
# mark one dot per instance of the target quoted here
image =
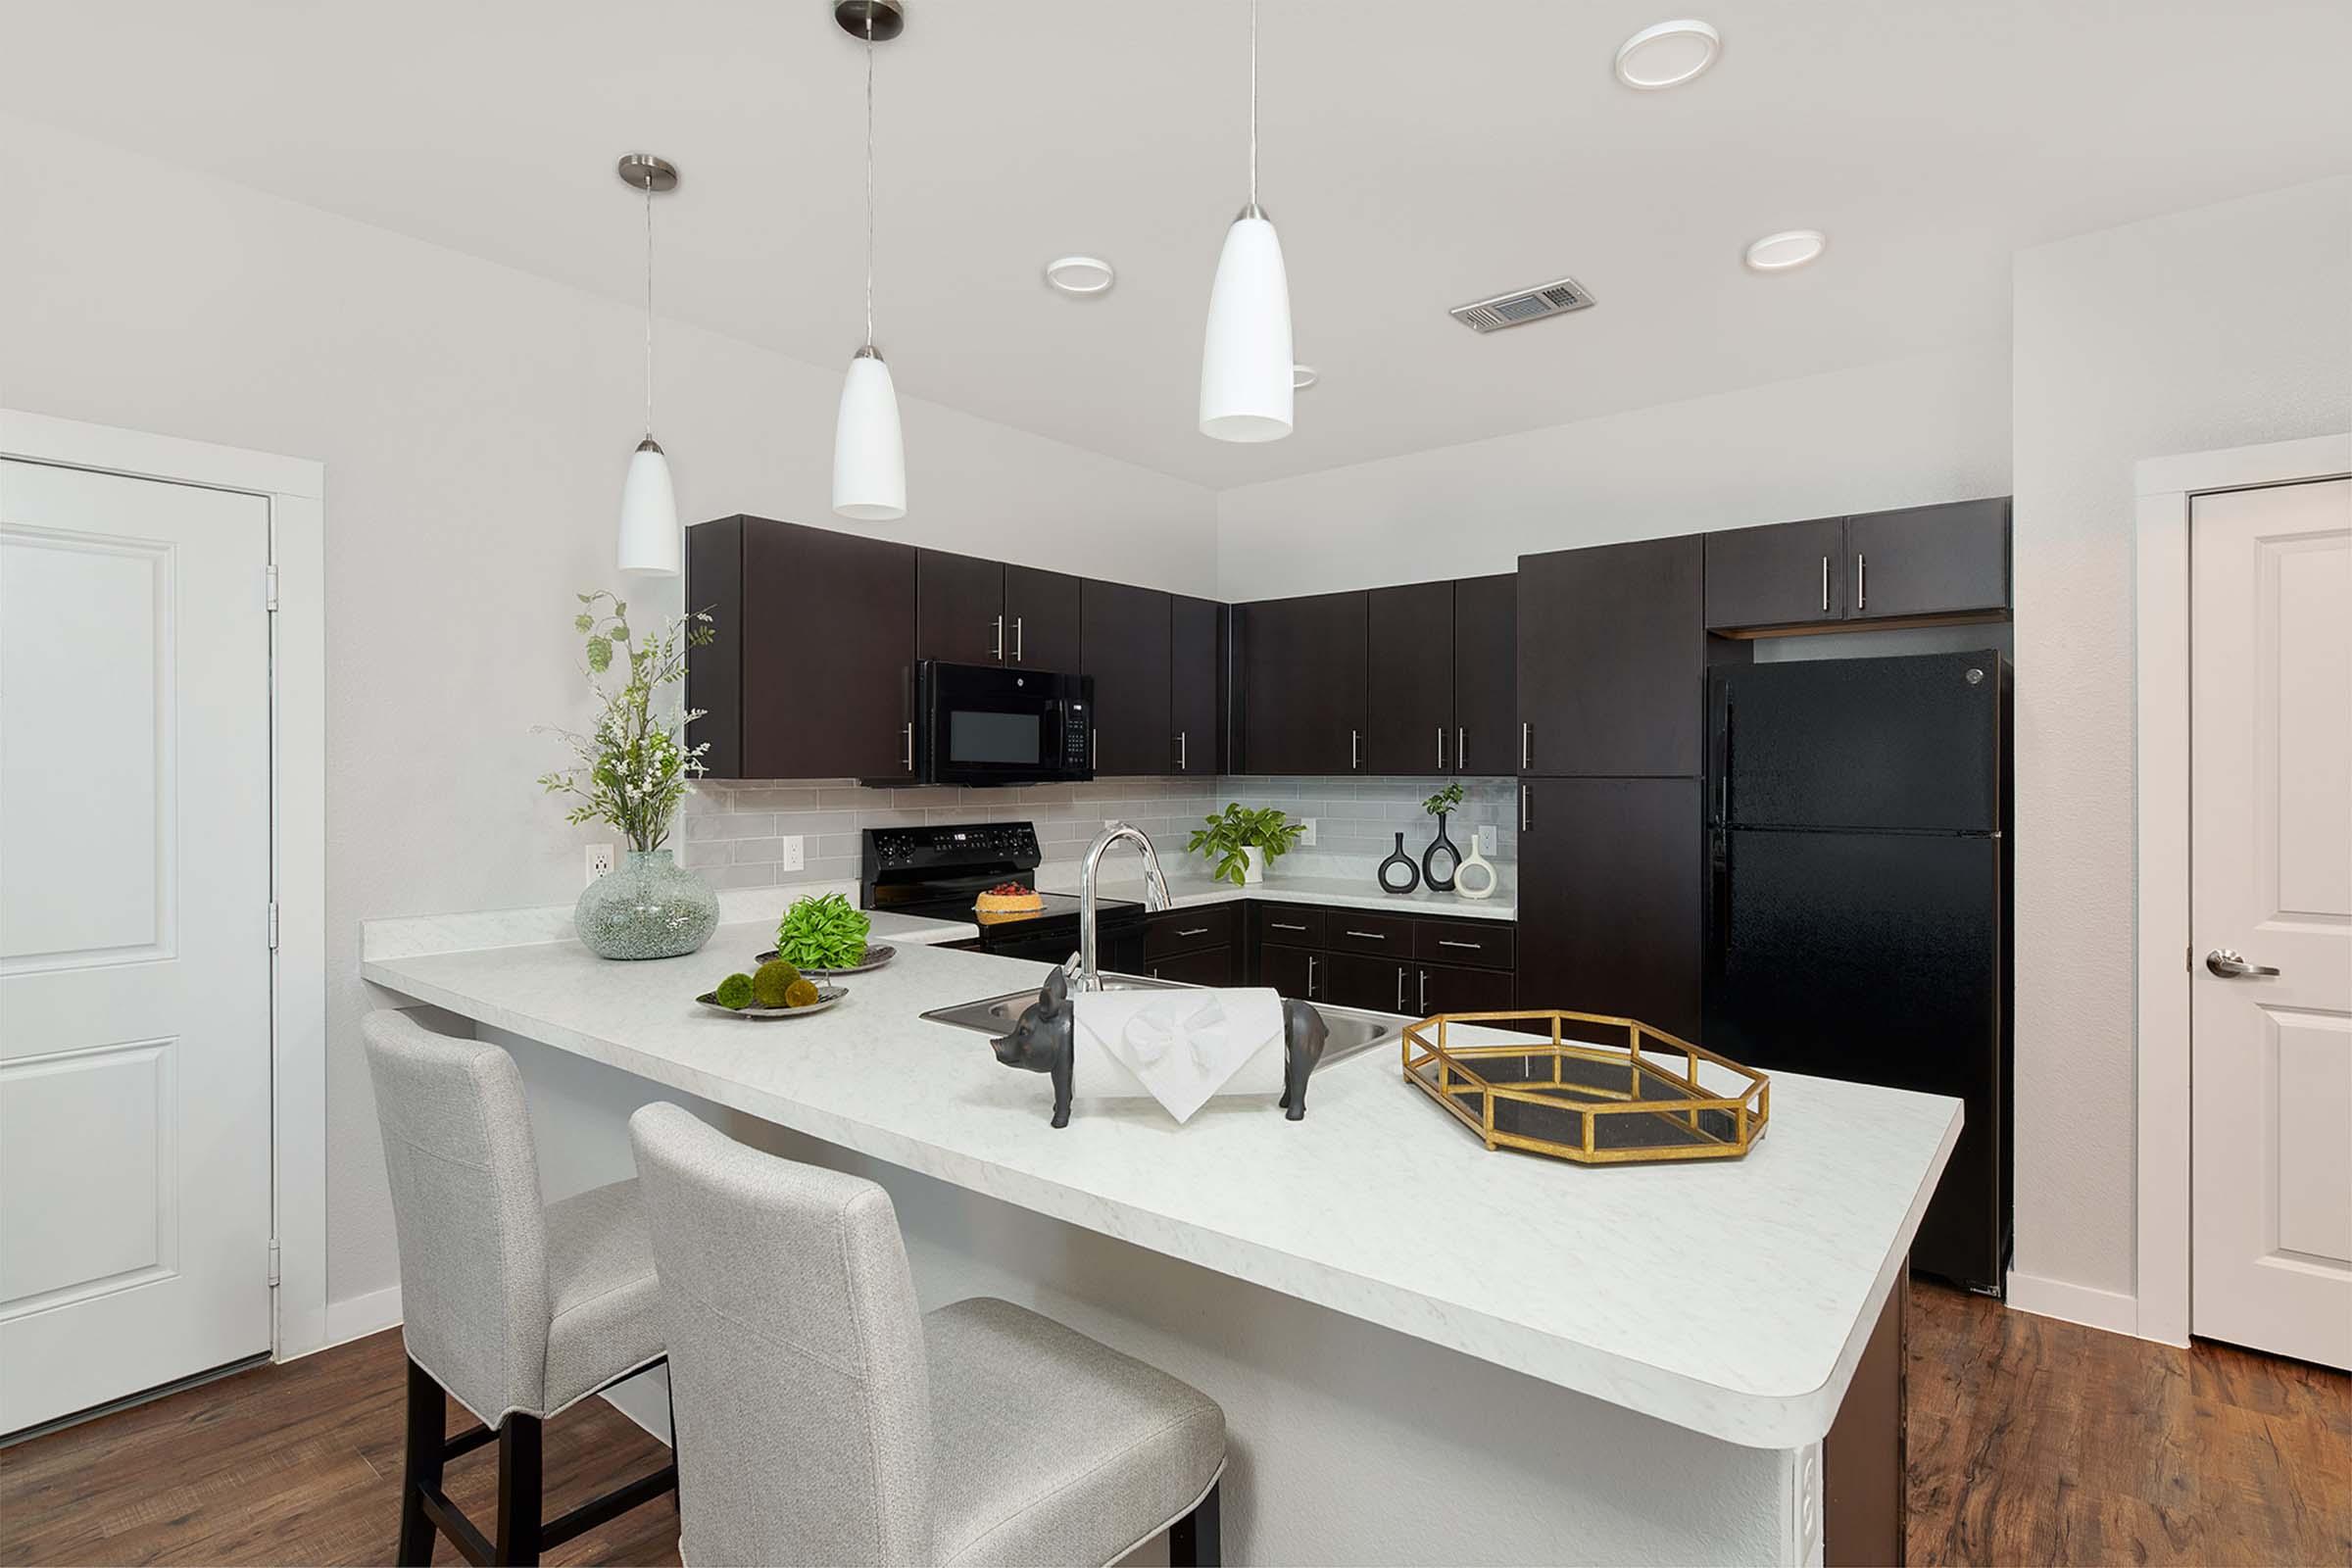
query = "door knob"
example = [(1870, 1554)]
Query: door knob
[(2226, 962)]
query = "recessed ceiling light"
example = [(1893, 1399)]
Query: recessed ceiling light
[(1790, 248), (1080, 274), (1303, 377), (1667, 55)]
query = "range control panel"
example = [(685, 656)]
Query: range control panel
[(971, 847)]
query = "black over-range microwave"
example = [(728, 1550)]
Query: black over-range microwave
[(989, 724)]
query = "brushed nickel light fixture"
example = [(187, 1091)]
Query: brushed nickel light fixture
[(870, 449), (650, 542)]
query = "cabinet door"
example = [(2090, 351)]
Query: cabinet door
[(1408, 717), (1303, 684), (1205, 967), (1612, 657), (1125, 649), (828, 667), (1930, 560), (959, 609), (1043, 620), (1442, 988), (1611, 918), (1196, 684), (1788, 574), (1379, 985), (1486, 676), (715, 672), (1293, 972)]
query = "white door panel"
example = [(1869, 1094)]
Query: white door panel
[(135, 965), (2272, 881)]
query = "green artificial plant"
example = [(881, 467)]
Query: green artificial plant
[(1238, 828), (1445, 800), (635, 767)]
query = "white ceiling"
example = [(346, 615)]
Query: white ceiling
[(1414, 155)]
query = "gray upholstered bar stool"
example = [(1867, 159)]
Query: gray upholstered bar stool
[(823, 1419), (515, 1308)]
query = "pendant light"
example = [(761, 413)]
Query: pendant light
[(869, 452), (1245, 360), (649, 505)]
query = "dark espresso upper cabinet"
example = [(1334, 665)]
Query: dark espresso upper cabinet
[(959, 609), (1043, 615), (1951, 560), (1303, 684), (1486, 653), (802, 684), (1197, 669), (1125, 647), (1408, 722), (1612, 655), (1786, 574)]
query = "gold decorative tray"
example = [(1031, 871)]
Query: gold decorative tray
[(1591, 1103)]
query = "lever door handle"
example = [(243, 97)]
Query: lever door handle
[(2226, 962)]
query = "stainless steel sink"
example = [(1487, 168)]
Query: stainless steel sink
[(1352, 1033)]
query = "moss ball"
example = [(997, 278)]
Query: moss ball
[(735, 990), (801, 994), (772, 980)]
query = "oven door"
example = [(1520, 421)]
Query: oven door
[(983, 724)]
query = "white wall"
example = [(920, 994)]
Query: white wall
[(1931, 428), (475, 422), (2222, 327)]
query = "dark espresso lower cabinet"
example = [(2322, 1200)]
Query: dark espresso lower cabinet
[(1205, 967), (1295, 973), (1611, 918), (1360, 980), (1442, 988)]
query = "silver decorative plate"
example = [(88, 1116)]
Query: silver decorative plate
[(875, 958), (826, 997)]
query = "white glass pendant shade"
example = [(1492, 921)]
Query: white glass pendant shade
[(649, 515), (869, 455), (1246, 390)]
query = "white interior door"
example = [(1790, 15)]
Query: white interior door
[(134, 937), (2270, 909)]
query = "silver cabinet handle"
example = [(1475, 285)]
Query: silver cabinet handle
[(1861, 581), (910, 748), (1282, 926), (1461, 748), (1310, 977), (1524, 793), (1440, 748), (1184, 759), (1368, 936), (1526, 735), (1474, 947), (1423, 1004), (1019, 641), (1825, 584), (1197, 931), (1093, 750), (1000, 648), (1400, 988), (1355, 752), (2226, 962)]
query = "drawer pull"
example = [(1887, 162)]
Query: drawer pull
[(1368, 936), (1283, 926), (1474, 947), (1197, 931)]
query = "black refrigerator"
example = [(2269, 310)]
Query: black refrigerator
[(1858, 909)]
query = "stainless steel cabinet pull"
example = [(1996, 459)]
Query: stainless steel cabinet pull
[(1440, 748), (1474, 947), (1156, 975), (910, 748), (1825, 584), (1355, 755), (1423, 1004), (1861, 581), (1526, 734), (1310, 977), (2226, 962), (1000, 650), (1197, 931), (1400, 988), (1018, 639), (1281, 926), (1183, 759), (1093, 750), (1461, 748), (1368, 936), (1524, 792)]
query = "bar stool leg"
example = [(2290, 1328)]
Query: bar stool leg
[(1194, 1539), (519, 1457), (428, 1429)]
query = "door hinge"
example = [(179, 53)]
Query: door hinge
[(269, 586), (272, 926), (273, 1260)]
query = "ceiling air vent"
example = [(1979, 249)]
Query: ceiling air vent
[(1522, 305)]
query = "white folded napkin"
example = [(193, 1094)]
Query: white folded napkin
[(1178, 1046)]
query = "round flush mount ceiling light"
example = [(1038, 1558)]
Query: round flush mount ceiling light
[(1303, 377), (1080, 275), (1667, 55), (1786, 251)]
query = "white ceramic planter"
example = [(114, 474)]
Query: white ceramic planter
[(1253, 867)]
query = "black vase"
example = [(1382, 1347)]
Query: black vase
[(1441, 882), (1397, 873)]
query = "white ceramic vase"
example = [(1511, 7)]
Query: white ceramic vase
[(1253, 865)]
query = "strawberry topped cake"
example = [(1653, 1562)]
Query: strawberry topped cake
[(1009, 898)]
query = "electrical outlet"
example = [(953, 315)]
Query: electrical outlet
[(1486, 838), (795, 859), (600, 861), (1307, 837)]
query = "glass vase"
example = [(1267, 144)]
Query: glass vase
[(649, 907)]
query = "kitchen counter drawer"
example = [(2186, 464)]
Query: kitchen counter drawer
[(1481, 944), (1388, 936), (1287, 925), (1189, 931)]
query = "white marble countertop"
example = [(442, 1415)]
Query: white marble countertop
[(1121, 880), (1730, 1298)]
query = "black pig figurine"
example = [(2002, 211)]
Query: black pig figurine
[(1042, 1041)]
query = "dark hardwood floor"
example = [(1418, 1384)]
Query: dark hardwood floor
[(2031, 1440)]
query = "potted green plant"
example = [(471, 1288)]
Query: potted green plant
[(1244, 842), (632, 771)]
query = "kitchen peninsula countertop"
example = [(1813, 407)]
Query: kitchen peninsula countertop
[(1730, 1298)]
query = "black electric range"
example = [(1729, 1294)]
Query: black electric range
[(936, 872)]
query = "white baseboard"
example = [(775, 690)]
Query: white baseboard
[(2110, 1311), (356, 1317)]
